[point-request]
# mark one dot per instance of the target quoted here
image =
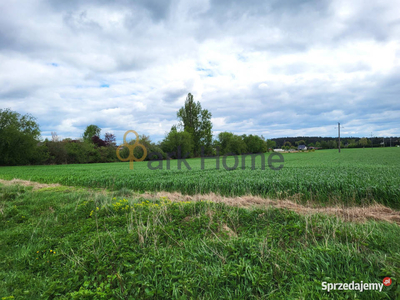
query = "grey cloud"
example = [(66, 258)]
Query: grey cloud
[(15, 94), (79, 21), (307, 107), (158, 10), (172, 96), (151, 54)]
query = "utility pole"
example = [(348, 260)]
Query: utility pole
[(372, 143), (339, 135)]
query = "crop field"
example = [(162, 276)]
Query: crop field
[(96, 236), (355, 176)]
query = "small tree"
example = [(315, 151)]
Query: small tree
[(90, 132), (223, 141), (110, 139), (271, 144), (254, 144), (175, 139), (98, 141), (287, 145), (231, 143), (352, 143), (363, 142), (324, 145), (54, 137), (301, 142)]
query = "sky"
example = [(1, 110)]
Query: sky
[(272, 68)]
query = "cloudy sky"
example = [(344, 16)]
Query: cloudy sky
[(273, 68)]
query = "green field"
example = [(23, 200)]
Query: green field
[(76, 243), (355, 176), (97, 237)]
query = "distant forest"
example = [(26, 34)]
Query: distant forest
[(331, 142)]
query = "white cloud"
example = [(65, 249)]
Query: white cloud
[(275, 68)]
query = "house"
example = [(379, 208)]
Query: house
[(302, 147)]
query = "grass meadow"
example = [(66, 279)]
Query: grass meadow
[(96, 236), (68, 243)]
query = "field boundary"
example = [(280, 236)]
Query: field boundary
[(376, 211), (35, 185)]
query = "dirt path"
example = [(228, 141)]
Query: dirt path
[(354, 214)]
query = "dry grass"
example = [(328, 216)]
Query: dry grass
[(228, 231), (354, 214), (35, 185)]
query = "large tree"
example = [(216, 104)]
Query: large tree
[(197, 122), (19, 138)]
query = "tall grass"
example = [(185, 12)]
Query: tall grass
[(64, 243)]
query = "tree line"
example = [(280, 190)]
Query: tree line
[(192, 136), (332, 142)]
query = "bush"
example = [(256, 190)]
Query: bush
[(57, 152)]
